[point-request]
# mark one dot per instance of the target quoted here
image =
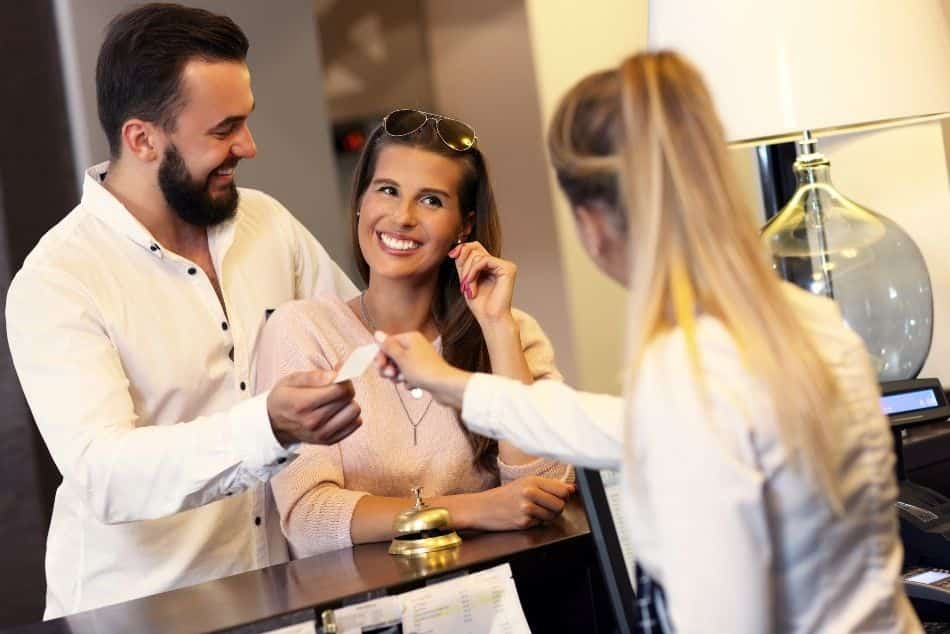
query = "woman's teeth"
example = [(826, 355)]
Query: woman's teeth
[(224, 171), (398, 244)]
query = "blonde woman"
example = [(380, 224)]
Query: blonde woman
[(757, 464)]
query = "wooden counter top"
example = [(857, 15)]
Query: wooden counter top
[(264, 599)]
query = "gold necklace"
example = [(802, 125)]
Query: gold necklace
[(415, 392)]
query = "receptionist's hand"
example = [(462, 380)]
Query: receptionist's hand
[(488, 282), (307, 407), (412, 359), (521, 503)]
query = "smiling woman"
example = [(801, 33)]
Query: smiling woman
[(426, 240), (409, 217)]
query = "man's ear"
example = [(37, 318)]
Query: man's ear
[(140, 139)]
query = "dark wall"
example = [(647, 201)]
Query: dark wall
[(37, 188)]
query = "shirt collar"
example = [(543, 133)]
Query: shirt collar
[(102, 204)]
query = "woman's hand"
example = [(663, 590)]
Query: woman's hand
[(487, 282), (521, 503), (411, 358)]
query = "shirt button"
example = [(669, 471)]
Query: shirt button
[(192, 270), (243, 386), (153, 247), (231, 353), (257, 521), (224, 325), (281, 460)]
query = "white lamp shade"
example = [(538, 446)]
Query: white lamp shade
[(777, 67)]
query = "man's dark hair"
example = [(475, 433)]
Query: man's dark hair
[(140, 63)]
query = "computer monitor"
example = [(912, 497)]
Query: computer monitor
[(914, 402), (600, 491)]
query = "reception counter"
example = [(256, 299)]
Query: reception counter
[(554, 566)]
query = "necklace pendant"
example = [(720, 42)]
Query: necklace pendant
[(416, 393), (415, 440)]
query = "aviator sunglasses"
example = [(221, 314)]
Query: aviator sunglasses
[(454, 134)]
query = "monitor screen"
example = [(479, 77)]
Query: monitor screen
[(908, 401), (930, 576)]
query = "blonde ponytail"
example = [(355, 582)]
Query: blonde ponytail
[(652, 128)]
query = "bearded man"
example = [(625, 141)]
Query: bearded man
[(133, 322)]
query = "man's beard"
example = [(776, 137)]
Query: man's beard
[(192, 201)]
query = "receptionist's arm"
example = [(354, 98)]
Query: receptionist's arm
[(546, 418)]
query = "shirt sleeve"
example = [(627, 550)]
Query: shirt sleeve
[(539, 355), (547, 419), (706, 502), (124, 467), (315, 270)]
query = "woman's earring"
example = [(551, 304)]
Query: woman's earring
[(357, 214)]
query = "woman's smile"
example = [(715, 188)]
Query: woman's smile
[(396, 243), (409, 214)]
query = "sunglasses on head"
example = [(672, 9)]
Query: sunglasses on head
[(454, 134)]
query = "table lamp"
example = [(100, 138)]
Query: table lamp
[(804, 69)]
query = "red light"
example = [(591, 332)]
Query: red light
[(353, 141)]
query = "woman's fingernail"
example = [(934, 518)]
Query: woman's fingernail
[(379, 336)]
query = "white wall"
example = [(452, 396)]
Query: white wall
[(946, 144), (569, 40), (290, 124), (483, 72), (946, 125)]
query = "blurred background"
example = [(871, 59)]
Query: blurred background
[(324, 72)]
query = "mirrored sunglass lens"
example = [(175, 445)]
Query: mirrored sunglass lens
[(456, 134), (404, 121)]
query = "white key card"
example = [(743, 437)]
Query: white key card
[(356, 364)]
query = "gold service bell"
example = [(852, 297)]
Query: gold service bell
[(422, 530)]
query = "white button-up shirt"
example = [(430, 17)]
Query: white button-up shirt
[(717, 510), (140, 385)]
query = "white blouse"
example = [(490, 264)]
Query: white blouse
[(719, 515)]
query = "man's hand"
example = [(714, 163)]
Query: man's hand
[(307, 407)]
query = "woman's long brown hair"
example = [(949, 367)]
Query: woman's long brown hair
[(463, 344)]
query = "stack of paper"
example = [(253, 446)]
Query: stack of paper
[(485, 602)]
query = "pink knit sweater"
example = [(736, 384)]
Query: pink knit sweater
[(317, 492)]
